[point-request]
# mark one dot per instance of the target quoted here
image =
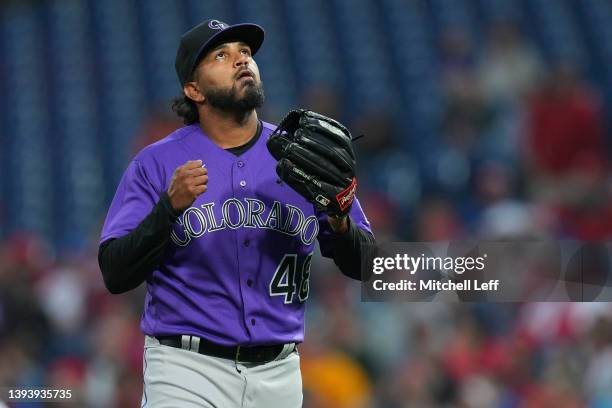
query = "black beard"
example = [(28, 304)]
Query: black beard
[(227, 100)]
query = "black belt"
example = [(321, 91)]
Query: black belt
[(253, 354)]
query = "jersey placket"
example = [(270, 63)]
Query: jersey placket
[(242, 186)]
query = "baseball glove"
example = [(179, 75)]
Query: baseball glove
[(316, 158)]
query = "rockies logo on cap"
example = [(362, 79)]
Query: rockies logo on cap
[(217, 25)]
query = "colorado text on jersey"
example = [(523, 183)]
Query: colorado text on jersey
[(197, 221)]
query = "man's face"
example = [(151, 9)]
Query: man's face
[(228, 79)]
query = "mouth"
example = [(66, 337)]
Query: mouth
[(246, 74)]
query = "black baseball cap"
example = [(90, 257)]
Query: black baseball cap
[(196, 42)]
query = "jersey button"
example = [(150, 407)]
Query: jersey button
[(253, 322), (247, 242), (242, 183), (249, 283), (240, 163)]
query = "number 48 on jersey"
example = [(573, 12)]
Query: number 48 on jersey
[(290, 278)]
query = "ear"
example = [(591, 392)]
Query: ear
[(192, 91)]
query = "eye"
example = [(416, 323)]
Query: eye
[(245, 51), (220, 55)]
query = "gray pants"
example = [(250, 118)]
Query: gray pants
[(175, 377)]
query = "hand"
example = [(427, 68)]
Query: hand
[(188, 182)]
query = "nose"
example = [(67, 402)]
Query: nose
[(241, 59)]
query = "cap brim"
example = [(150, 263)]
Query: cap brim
[(250, 34)]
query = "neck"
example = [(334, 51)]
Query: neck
[(228, 129)]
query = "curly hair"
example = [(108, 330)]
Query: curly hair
[(186, 109)]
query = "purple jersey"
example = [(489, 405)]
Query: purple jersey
[(237, 269)]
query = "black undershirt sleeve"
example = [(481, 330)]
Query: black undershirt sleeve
[(128, 261), (353, 251)]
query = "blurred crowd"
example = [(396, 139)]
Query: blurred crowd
[(522, 151)]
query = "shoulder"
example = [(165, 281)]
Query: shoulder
[(267, 128), (166, 146)]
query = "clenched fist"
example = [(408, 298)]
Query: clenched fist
[(188, 182)]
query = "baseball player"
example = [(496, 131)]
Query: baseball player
[(220, 220)]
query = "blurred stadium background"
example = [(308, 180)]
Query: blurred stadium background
[(483, 118)]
